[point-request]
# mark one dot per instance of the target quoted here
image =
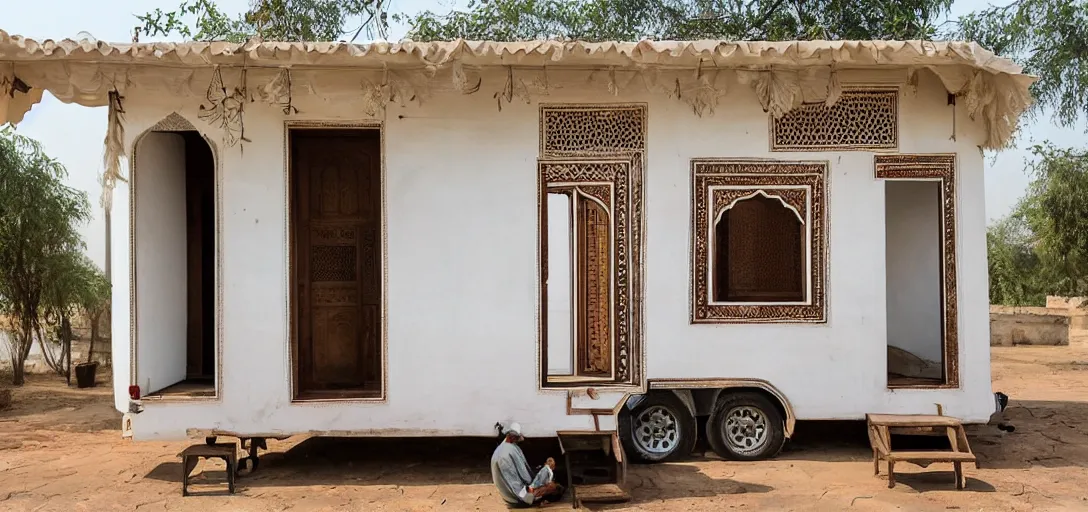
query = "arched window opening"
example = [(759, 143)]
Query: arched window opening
[(759, 252)]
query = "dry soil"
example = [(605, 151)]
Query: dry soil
[(60, 449)]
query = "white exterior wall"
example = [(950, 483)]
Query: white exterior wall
[(462, 330)]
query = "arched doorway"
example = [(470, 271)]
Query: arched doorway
[(174, 257)]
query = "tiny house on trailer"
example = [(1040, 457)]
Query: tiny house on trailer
[(427, 239)]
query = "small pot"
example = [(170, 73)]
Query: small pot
[(85, 374)]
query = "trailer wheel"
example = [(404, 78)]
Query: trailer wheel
[(658, 429), (745, 426)]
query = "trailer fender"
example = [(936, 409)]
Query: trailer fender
[(685, 386), (683, 394)]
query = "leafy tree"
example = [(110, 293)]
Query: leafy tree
[(1050, 39), (631, 20), (79, 289), (271, 20), (1041, 248), (1056, 210), (1014, 267), (38, 219)]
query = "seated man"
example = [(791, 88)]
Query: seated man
[(510, 472)]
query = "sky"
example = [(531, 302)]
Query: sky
[(73, 134)]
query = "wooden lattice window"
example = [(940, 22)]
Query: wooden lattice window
[(859, 120), (586, 130), (759, 245)]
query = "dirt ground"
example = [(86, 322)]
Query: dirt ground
[(60, 449)]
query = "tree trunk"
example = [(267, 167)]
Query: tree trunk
[(20, 353), (18, 375), (66, 339), (95, 318), (55, 362)]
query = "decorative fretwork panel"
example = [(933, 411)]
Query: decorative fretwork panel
[(173, 123), (768, 219), (585, 130), (332, 263), (860, 120)]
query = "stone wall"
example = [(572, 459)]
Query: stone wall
[(81, 330), (1058, 302), (1064, 320), (1077, 309), (1028, 326), (35, 363)]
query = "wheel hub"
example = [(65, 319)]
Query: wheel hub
[(745, 430), (656, 430)]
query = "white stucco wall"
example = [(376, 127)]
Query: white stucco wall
[(913, 256), (462, 329), (161, 283)]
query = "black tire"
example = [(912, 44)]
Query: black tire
[(680, 447), (760, 408)]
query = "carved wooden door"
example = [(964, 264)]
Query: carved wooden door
[(594, 274), (336, 214)]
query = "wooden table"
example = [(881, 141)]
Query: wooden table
[(880, 439)]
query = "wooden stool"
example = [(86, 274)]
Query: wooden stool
[(880, 439), (191, 455)]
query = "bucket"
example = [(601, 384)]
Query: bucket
[(85, 374)]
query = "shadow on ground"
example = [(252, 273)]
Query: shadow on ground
[(1052, 434), (655, 482), (376, 461), (321, 461), (1061, 427), (938, 481)]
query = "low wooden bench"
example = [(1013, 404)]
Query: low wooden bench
[(880, 439), (191, 455)]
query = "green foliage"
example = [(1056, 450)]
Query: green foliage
[(1014, 266), (1050, 39), (1041, 248), (79, 288), (1056, 210), (632, 20), (38, 219), (271, 20)]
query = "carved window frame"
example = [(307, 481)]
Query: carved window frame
[(820, 110), (942, 169), (592, 163), (799, 185)]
